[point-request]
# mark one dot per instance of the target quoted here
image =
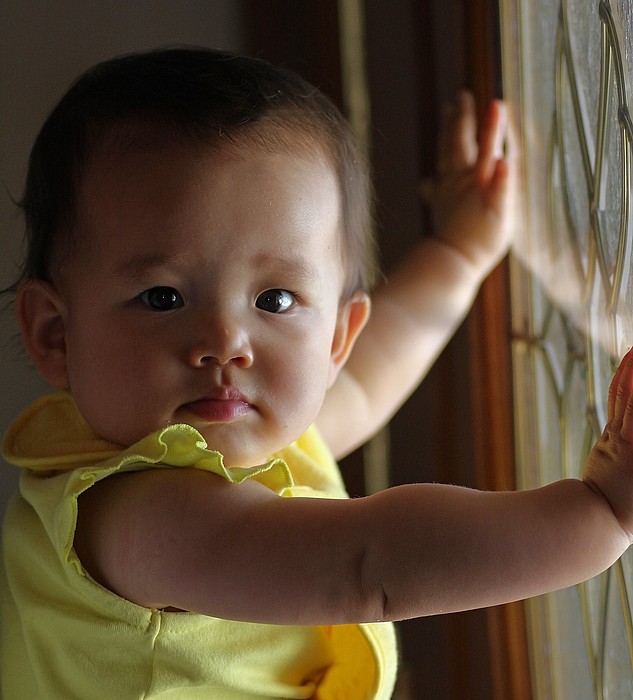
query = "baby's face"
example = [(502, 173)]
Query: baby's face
[(206, 292)]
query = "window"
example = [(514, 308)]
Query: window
[(572, 298)]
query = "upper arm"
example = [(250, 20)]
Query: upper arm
[(188, 539)]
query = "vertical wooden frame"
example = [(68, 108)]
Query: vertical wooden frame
[(490, 338)]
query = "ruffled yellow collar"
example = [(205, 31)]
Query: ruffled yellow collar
[(52, 436)]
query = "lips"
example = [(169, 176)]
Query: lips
[(222, 406)]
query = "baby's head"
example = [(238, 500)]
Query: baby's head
[(197, 96), (199, 247)]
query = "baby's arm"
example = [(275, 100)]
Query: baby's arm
[(415, 312), (188, 539)]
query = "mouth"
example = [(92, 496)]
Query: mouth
[(223, 406)]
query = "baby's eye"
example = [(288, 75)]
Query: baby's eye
[(275, 301), (162, 298)]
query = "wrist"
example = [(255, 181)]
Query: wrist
[(477, 261)]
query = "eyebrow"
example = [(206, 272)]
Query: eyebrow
[(298, 265), (139, 264)]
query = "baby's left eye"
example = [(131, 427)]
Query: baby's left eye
[(275, 301)]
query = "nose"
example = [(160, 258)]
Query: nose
[(221, 343)]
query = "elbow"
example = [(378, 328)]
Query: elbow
[(373, 599)]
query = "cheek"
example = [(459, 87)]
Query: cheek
[(98, 356), (299, 377), (122, 392), (109, 370)]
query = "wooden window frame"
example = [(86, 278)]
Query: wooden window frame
[(491, 367)]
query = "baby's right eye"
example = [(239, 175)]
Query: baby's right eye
[(162, 298)]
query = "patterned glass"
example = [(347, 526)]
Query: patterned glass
[(568, 71)]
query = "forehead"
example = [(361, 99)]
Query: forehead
[(141, 203)]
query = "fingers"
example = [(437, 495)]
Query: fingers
[(620, 404), (492, 141), (458, 135), (613, 388), (497, 188), (459, 146)]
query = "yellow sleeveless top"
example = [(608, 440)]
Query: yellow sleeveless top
[(65, 636)]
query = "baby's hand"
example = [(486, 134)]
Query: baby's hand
[(473, 196), (609, 467)]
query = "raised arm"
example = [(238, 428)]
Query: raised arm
[(190, 540), (416, 311)]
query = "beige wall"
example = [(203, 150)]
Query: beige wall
[(43, 46)]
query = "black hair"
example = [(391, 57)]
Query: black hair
[(197, 94)]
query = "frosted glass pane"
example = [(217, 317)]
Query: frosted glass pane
[(573, 299), (618, 679), (610, 187), (624, 11), (575, 197), (574, 413), (585, 44), (569, 661)]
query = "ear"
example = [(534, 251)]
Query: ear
[(353, 314), (41, 316)]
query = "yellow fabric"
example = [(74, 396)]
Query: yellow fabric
[(65, 636)]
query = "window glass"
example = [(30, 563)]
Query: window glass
[(567, 71)]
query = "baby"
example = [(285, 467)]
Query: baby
[(197, 288)]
